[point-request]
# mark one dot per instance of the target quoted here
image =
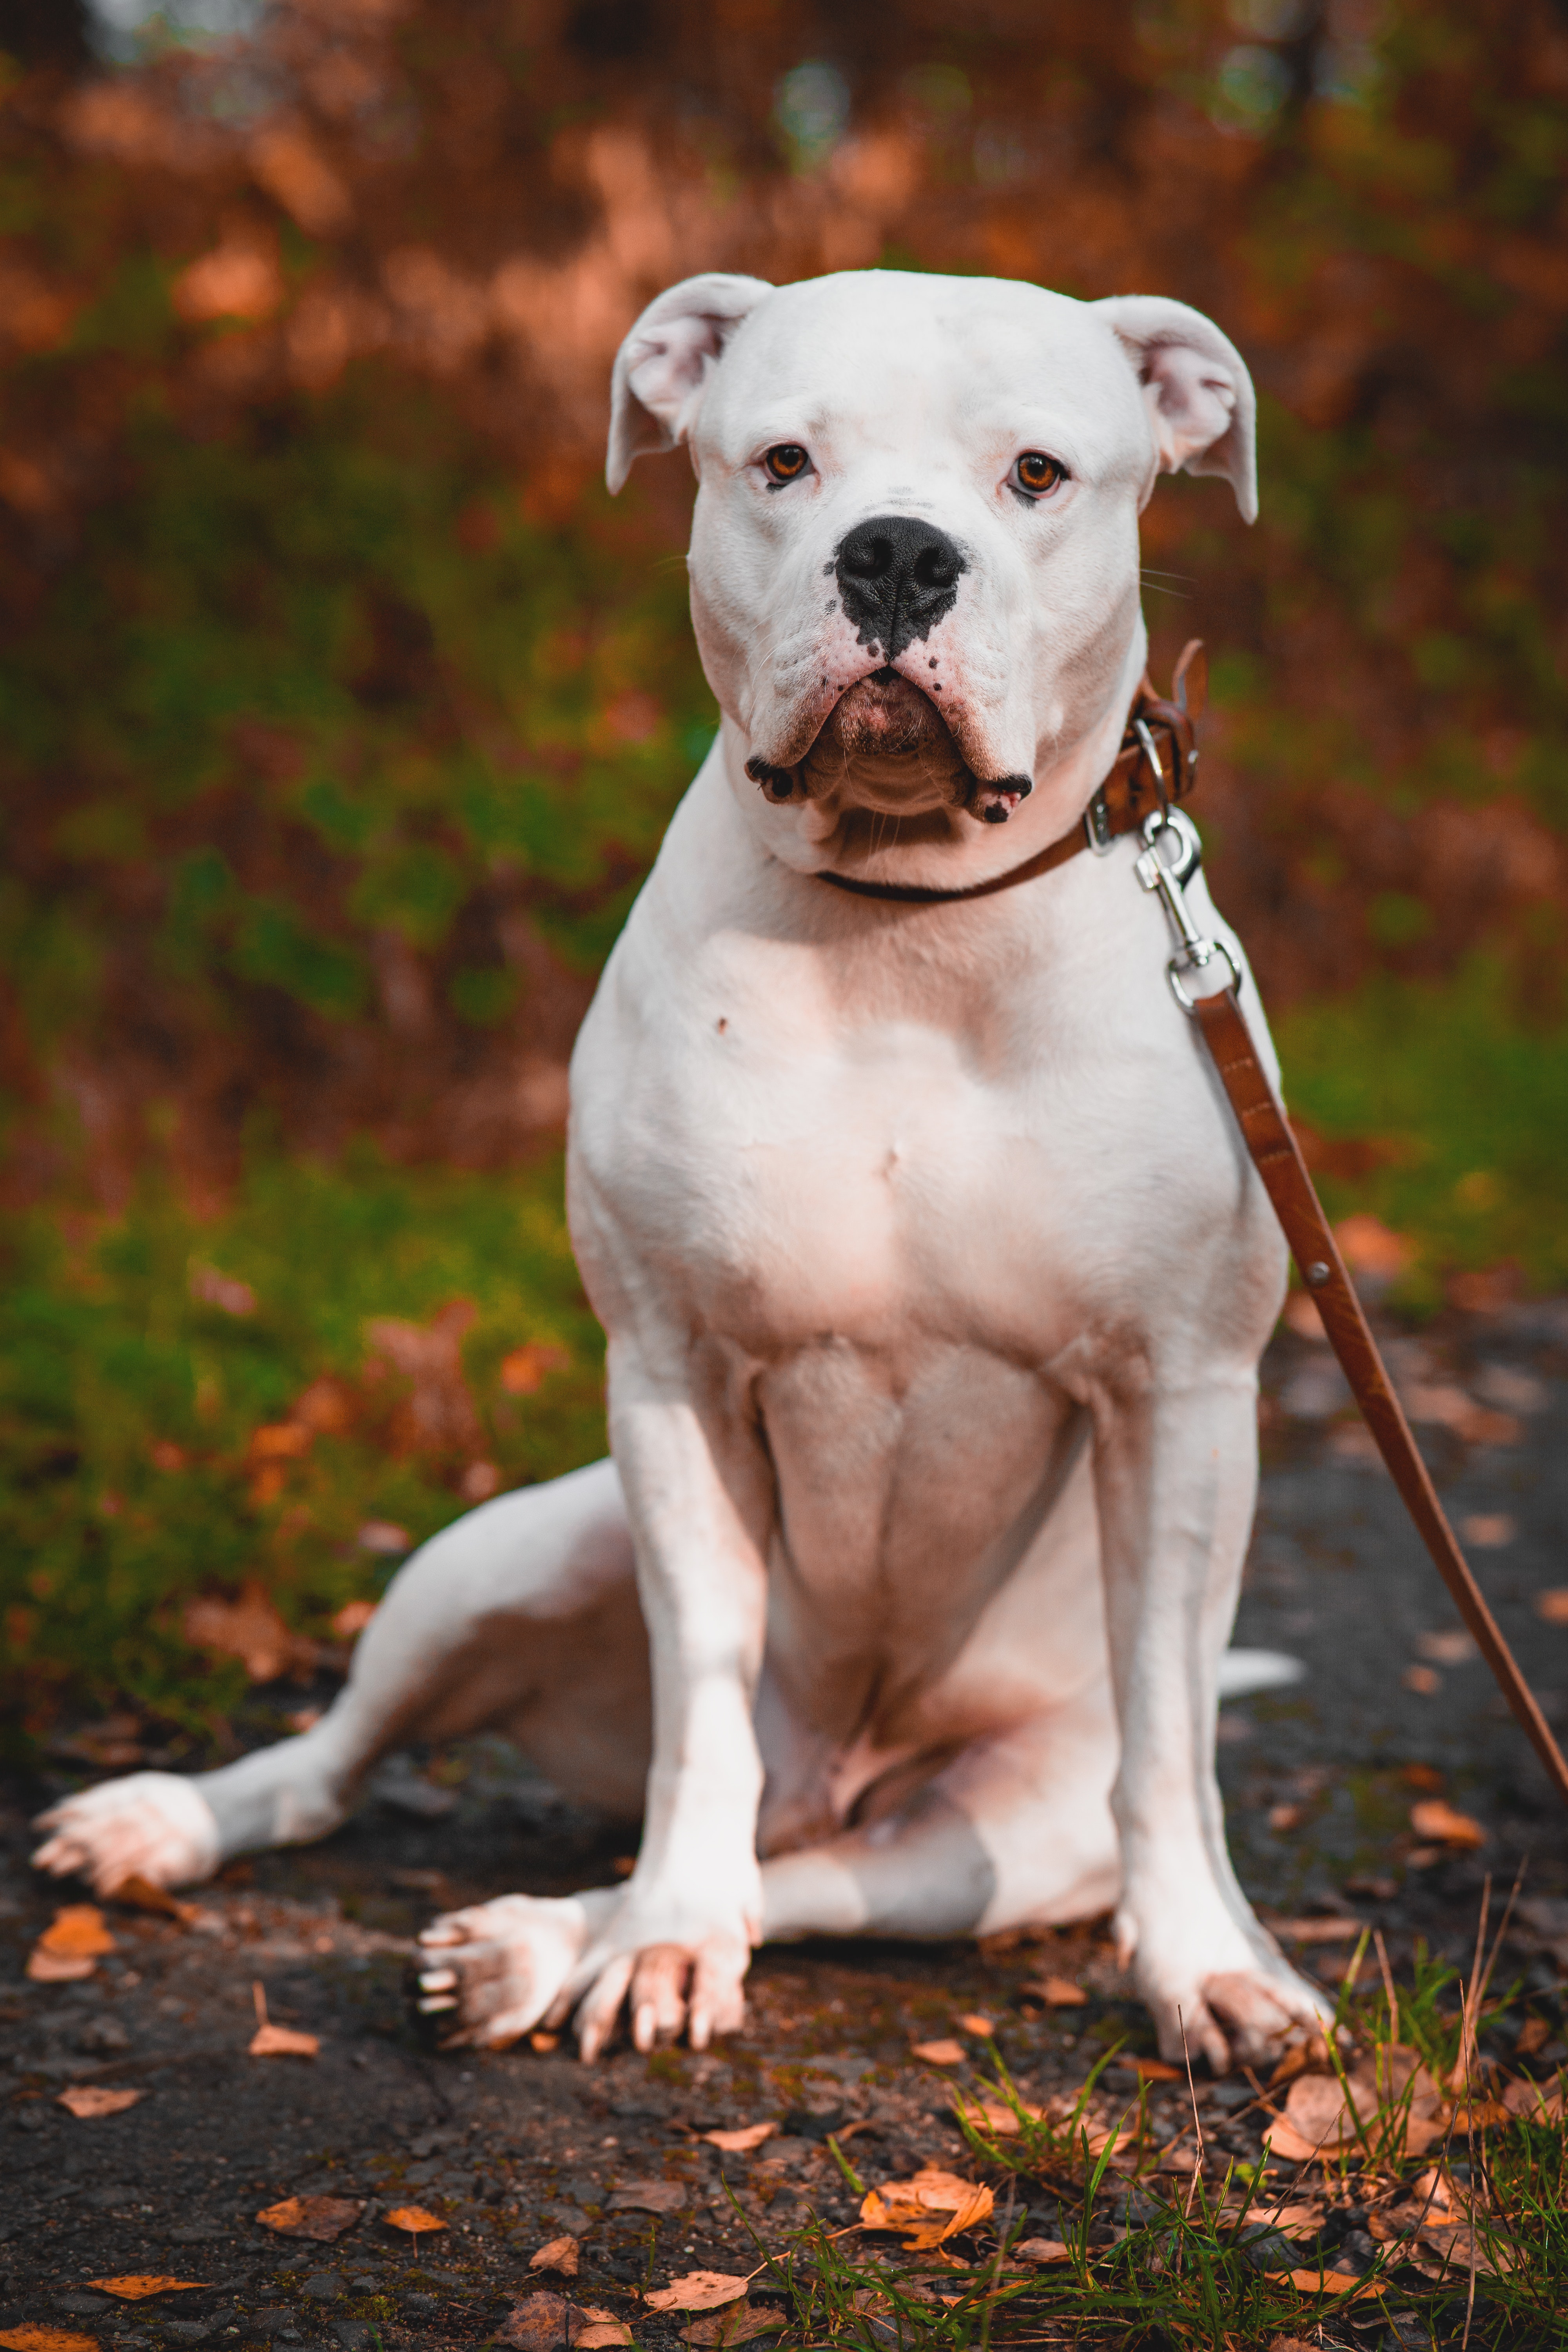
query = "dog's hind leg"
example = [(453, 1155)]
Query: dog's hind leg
[(523, 1616), (1016, 1830)]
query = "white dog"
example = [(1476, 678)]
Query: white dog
[(934, 1270)]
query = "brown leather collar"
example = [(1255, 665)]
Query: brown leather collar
[(1157, 764)]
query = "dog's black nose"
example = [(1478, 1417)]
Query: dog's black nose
[(897, 577)]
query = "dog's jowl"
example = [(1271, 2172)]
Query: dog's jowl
[(933, 1270)]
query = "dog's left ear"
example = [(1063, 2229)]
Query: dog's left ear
[(662, 367), (1196, 388)]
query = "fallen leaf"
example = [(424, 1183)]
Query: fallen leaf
[(222, 1290), (414, 2218), (1154, 2070), (540, 2322), (1290, 2221), (1552, 1604), (737, 2142), (86, 2100), (556, 2254), (1315, 2118), (1533, 2035), (58, 1967), (737, 2324), (1331, 2283), (649, 2197), (928, 2208), (46, 2339), (79, 1931), (383, 1536), (602, 2332), (1002, 2121), (141, 1895), (280, 1441), (975, 2023), (248, 1629), (1057, 1992), (698, 2291), (543, 2043), (1041, 2251), (939, 2054), (523, 1372), (1436, 1820), (1368, 1246), (1534, 2101), (351, 1619), (1314, 1930), (282, 2041), (322, 2218), (137, 2285)]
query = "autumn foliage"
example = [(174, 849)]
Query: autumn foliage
[(343, 710)]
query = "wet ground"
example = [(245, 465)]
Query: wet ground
[(512, 2150)]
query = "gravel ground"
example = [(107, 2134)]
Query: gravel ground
[(514, 2149)]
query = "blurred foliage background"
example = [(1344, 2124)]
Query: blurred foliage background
[(341, 711)]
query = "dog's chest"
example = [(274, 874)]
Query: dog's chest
[(877, 1186)]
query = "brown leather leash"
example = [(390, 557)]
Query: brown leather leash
[(1140, 794)]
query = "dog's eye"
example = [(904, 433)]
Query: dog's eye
[(1036, 474), (786, 461)]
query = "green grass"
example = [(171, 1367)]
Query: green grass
[(129, 1405), (1187, 2262), (1463, 1096)]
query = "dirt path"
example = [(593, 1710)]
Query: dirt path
[(510, 2151)]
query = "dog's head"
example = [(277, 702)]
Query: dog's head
[(914, 558)]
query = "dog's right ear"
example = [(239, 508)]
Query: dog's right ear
[(662, 367)]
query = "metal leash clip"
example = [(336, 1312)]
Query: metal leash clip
[(1169, 877)]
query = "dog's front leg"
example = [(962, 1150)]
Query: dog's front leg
[(699, 1498), (1176, 1472)]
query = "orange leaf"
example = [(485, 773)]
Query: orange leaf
[(737, 2142), (994, 2117), (88, 2099), (58, 1967), (282, 2041), (738, 2323), (1154, 2069), (698, 2291), (46, 2339), (1041, 2251), (141, 1895), (939, 2054), (414, 2218), (1332, 2283), (1435, 1819), (137, 2285), (1057, 1992), (928, 2208), (556, 2254), (77, 1931), (976, 2024), (322, 2218)]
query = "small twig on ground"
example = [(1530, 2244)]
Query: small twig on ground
[(1197, 2126)]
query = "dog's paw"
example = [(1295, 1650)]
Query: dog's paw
[(498, 1968), (1236, 2015), (696, 1989), (151, 1825)]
